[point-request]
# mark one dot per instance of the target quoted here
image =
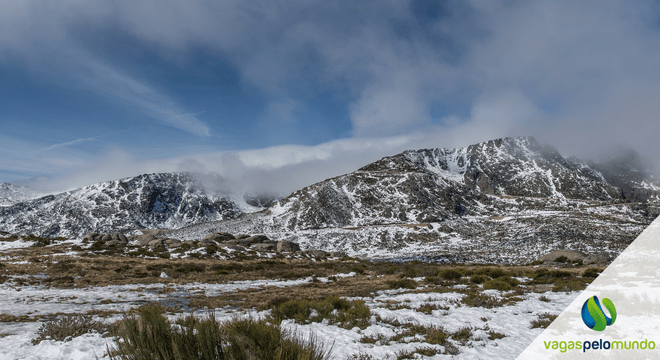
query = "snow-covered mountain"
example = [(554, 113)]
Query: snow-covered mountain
[(438, 200), (511, 195), (12, 194), (169, 200), (421, 186)]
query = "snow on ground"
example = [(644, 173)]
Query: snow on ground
[(511, 320)]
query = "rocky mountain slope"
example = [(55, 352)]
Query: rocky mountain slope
[(168, 200), (510, 194)]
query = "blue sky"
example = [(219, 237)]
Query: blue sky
[(97, 90)]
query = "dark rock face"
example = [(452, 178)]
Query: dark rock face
[(147, 201)]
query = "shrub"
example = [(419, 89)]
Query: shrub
[(190, 268), (474, 299), (502, 283), (450, 274), (152, 336), (494, 335), (346, 314), (543, 321), (66, 327), (478, 279), (408, 272), (591, 273), (358, 269), (491, 272), (561, 259), (569, 285), (557, 274), (463, 334), (402, 284)]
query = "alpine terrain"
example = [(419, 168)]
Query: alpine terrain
[(506, 200)]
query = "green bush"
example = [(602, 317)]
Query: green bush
[(561, 259), (408, 272), (568, 285), (497, 284), (152, 336), (478, 279), (450, 274), (348, 314), (402, 284), (491, 272), (358, 269), (591, 273)]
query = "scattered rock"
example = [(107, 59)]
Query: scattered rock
[(319, 254), (156, 243), (219, 237), (337, 254), (173, 242), (90, 237), (287, 246), (264, 247), (599, 258), (145, 239), (106, 237), (207, 242), (571, 255)]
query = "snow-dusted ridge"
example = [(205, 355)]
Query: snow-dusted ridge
[(169, 200)]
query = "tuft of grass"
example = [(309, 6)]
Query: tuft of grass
[(428, 308), (463, 334), (474, 299), (561, 259), (544, 298), (543, 320), (360, 356), (66, 327), (152, 336), (494, 335)]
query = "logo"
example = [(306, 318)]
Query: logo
[(593, 315)]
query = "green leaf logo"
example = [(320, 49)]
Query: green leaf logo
[(594, 316)]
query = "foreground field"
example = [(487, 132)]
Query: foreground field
[(357, 309)]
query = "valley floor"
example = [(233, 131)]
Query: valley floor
[(392, 310)]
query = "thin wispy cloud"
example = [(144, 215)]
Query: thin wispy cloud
[(120, 87), (79, 141)]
